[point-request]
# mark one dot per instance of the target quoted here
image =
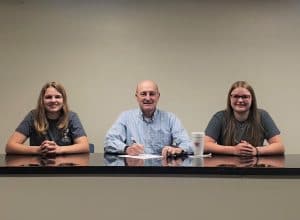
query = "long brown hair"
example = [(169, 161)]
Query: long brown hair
[(254, 130), (40, 119)]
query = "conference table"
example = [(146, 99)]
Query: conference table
[(100, 186), (112, 164)]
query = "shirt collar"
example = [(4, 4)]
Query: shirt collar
[(149, 120)]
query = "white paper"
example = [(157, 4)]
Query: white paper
[(199, 156), (142, 156)]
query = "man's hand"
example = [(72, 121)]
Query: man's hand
[(171, 151), (135, 149)]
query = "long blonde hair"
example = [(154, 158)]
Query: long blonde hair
[(41, 124), (255, 129)]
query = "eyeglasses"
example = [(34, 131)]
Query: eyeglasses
[(237, 97)]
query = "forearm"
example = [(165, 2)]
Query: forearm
[(182, 140), (81, 145), (211, 147), (15, 145), (115, 139), (114, 146), (17, 148), (75, 148), (271, 149), (275, 146)]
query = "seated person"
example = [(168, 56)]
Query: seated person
[(51, 128), (147, 129), (242, 128)]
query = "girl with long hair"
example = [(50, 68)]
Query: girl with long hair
[(241, 129), (51, 127)]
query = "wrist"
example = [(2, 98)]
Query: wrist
[(34, 150), (257, 152), (61, 150), (125, 149), (233, 150)]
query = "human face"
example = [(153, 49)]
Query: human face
[(240, 99), (147, 96), (53, 101)]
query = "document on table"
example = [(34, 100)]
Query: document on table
[(199, 156), (143, 156)]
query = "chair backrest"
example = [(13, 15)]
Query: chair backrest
[(92, 147)]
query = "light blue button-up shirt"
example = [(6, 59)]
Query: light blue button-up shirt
[(163, 129)]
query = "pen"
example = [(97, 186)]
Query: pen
[(133, 140)]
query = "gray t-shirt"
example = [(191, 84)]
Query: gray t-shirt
[(217, 124), (61, 137)]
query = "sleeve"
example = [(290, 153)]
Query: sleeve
[(270, 128), (115, 138), (214, 127), (26, 126), (75, 126), (180, 135)]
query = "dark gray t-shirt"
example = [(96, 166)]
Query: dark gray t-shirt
[(61, 137), (217, 124)]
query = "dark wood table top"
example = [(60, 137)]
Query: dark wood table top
[(107, 164)]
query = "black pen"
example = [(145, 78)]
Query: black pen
[(133, 140)]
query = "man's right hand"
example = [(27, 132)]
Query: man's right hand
[(135, 149)]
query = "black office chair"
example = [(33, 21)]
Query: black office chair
[(92, 147)]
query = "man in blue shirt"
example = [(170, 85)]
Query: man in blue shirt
[(147, 129)]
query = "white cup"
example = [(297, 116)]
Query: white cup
[(198, 143)]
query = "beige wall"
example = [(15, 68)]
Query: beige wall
[(194, 49), (173, 198)]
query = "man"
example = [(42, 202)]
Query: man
[(147, 129)]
